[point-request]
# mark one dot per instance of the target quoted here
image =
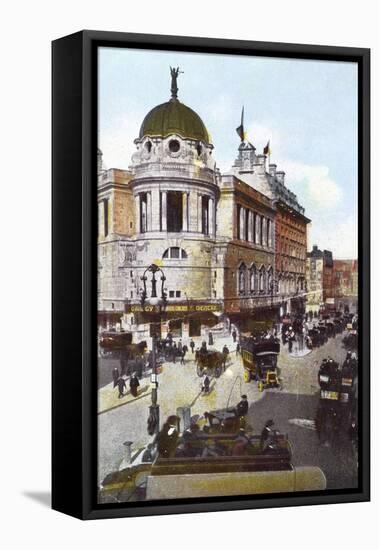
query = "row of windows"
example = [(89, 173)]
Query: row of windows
[(174, 212), (253, 227), (254, 280)]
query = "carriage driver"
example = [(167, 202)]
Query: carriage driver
[(242, 407)]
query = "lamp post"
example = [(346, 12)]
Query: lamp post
[(160, 302)]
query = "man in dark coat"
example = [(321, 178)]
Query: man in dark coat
[(133, 384), (210, 339), (234, 334), (121, 386), (266, 432), (115, 376), (242, 407), (192, 345)]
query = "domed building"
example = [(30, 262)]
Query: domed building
[(214, 236), (175, 191)]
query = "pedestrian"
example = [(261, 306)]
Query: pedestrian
[(206, 383), (115, 376), (234, 335), (192, 345), (174, 352), (139, 367), (123, 362), (182, 355), (225, 354), (180, 346), (238, 348), (210, 339), (242, 407), (121, 386), (133, 384), (266, 432), (291, 337)]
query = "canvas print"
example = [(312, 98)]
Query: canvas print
[(227, 287)]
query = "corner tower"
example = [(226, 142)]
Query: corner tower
[(175, 191)]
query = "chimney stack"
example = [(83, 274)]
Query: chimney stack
[(280, 177), (272, 169), (260, 163)]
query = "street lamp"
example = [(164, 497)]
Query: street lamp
[(160, 301)]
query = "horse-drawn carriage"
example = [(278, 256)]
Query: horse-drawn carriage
[(112, 343), (337, 403), (260, 361), (167, 350), (211, 362)]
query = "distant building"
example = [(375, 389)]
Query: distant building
[(319, 271), (345, 284)]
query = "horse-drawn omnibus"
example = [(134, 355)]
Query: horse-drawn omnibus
[(260, 361)]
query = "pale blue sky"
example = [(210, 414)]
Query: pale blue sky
[(308, 110)]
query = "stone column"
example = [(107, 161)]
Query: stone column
[(137, 199), (155, 210), (249, 224), (164, 210), (211, 217), (264, 232), (199, 216), (243, 224), (185, 211), (100, 219), (192, 212), (148, 211)]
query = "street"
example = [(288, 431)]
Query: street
[(293, 409)]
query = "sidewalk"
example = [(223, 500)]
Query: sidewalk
[(108, 396)]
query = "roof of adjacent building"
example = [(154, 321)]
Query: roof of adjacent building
[(174, 118)]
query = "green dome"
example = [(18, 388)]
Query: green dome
[(174, 117)]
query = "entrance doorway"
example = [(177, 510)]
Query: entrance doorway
[(176, 328), (194, 327)]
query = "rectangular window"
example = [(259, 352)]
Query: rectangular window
[(174, 252), (174, 212), (171, 294), (106, 217), (204, 215), (238, 221), (143, 212), (178, 294), (247, 221)]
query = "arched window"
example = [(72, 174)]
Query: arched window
[(253, 279), (242, 279), (262, 279), (174, 253)]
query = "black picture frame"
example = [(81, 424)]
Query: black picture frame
[(74, 271)]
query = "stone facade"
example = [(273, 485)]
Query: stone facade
[(214, 236), (319, 279)]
